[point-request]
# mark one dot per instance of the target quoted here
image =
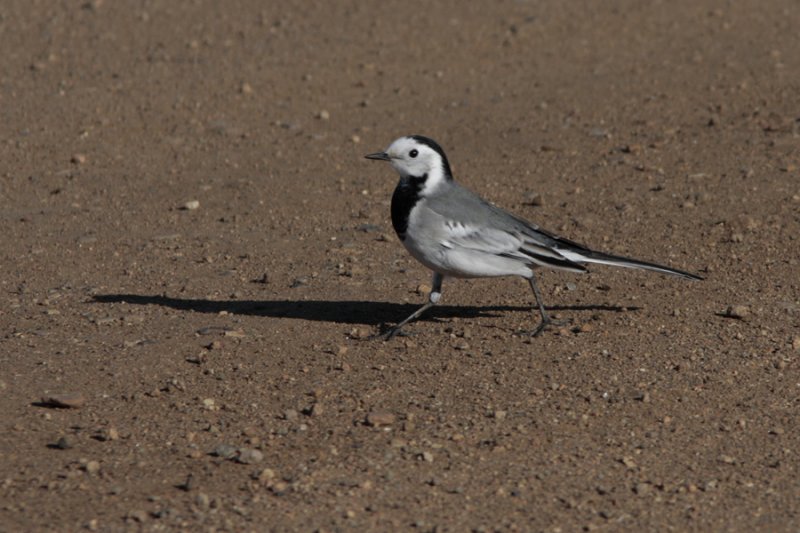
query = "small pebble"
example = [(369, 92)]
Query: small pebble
[(291, 415), (796, 344), (358, 333), (380, 418), (189, 484), (196, 359), (278, 488), (107, 434), (78, 159), (324, 115), (248, 456), (167, 237), (737, 311), (191, 205), (642, 396), (65, 443), (461, 344), (92, 467), (138, 516), (534, 199), (368, 228), (225, 451), (266, 475), (202, 500), (72, 400), (298, 282)]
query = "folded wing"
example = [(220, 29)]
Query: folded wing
[(521, 246)]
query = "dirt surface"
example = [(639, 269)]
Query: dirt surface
[(194, 251)]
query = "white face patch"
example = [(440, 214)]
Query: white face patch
[(411, 158)]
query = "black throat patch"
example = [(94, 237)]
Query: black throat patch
[(405, 197)]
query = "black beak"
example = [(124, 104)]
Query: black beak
[(382, 156)]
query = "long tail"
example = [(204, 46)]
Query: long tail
[(590, 256)]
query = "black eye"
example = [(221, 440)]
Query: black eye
[(413, 153)]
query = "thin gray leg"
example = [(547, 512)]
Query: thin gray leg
[(546, 320), (436, 293)]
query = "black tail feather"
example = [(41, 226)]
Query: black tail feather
[(627, 262)]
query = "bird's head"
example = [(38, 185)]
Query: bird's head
[(418, 158)]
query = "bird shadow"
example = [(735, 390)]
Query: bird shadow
[(339, 311)]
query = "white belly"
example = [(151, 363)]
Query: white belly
[(463, 262)]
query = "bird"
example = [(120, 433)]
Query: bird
[(455, 233)]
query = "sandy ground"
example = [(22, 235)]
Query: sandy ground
[(216, 353)]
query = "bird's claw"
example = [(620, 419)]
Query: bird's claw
[(389, 334), (545, 323)]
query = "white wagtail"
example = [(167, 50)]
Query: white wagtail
[(454, 232)]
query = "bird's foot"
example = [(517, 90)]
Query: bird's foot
[(547, 322), (389, 334)]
